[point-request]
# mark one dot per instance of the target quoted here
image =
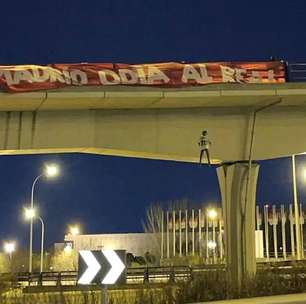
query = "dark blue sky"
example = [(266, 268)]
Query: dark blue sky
[(149, 31), (110, 194)]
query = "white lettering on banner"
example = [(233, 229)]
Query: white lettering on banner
[(22, 76), (128, 76), (133, 75), (190, 73), (240, 75), (228, 74), (67, 77), (155, 74), (78, 77), (40, 75), (141, 75), (8, 77), (56, 76), (204, 74), (105, 76), (37, 75)]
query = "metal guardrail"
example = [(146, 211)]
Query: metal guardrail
[(142, 275), (134, 275)]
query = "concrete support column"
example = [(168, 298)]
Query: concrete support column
[(239, 217)]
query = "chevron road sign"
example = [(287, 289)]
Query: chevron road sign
[(106, 267)]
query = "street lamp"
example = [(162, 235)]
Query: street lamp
[(212, 214), (50, 171), (296, 213), (74, 230), (304, 174), (212, 245), (30, 214), (9, 248)]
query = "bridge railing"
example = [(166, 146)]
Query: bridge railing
[(296, 72)]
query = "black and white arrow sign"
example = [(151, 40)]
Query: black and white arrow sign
[(105, 267)]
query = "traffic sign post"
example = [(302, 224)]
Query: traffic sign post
[(106, 267), (102, 267), (104, 295)]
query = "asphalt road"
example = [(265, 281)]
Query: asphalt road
[(283, 299)]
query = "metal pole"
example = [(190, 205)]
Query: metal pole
[(220, 236), (302, 230), (207, 224), (180, 232), (174, 228), (275, 221), (283, 217), (257, 218), (42, 244), (168, 244), (192, 218), (186, 220), (104, 295), (31, 223), (296, 212), (162, 236), (291, 231), (214, 239), (200, 232), (266, 231)]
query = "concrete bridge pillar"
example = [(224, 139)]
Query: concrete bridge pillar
[(239, 217)]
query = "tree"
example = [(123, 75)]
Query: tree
[(153, 226), (4, 263), (64, 260), (155, 219)]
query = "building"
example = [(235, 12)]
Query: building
[(136, 243)]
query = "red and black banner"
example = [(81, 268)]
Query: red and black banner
[(25, 78)]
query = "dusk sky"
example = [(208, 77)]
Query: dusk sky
[(110, 194)]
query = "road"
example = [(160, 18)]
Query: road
[(283, 299)]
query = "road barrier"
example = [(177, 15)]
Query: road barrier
[(144, 275)]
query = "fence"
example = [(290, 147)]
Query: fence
[(200, 232)]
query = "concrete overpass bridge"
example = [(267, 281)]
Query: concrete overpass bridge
[(156, 123), (246, 122)]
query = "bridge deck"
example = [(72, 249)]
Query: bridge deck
[(216, 95)]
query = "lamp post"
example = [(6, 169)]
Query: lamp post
[(30, 214), (9, 248), (68, 249), (50, 171), (212, 215), (296, 213), (74, 230), (42, 244)]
